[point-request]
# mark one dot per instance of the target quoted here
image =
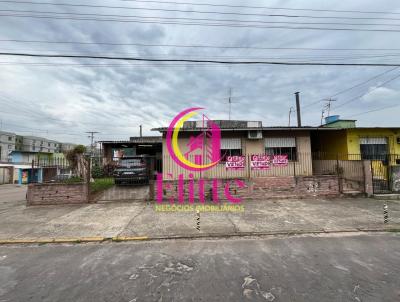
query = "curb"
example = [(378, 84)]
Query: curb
[(191, 237)]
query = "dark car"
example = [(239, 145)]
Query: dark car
[(132, 170)]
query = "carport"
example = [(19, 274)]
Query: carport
[(137, 145)]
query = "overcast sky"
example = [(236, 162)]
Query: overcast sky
[(63, 98)]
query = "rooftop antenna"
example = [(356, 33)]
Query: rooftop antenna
[(327, 108), (328, 105)]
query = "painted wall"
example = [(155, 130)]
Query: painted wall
[(303, 166), (23, 157), (341, 124), (353, 138), (330, 143)]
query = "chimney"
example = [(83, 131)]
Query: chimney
[(298, 109)]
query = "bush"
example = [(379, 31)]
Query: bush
[(73, 180), (101, 184), (97, 172)]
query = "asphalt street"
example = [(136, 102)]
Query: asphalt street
[(363, 267)]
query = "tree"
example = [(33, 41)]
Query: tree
[(74, 158)]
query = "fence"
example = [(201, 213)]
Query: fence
[(57, 169), (350, 169), (305, 164)]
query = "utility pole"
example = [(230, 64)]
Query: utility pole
[(290, 113), (91, 136), (298, 108)]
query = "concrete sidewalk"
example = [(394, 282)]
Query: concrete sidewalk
[(138, 219)]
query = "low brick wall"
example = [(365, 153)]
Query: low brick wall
[(55, 193), (262, 188)]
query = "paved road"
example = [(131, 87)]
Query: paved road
[(12, 193), (351, 268), (128, 219), (11, 197)]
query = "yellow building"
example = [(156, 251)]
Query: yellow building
[(348, 140), (344, 141)]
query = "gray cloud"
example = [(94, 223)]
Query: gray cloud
[(62, 102)]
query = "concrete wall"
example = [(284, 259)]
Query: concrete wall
[(52, 194), (262, 188), (350, 173)]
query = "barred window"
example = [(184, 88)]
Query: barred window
[(230, 147), (281, 146)]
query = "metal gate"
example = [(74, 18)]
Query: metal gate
[(386, 174)]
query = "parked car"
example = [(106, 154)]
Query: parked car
[(132, 170)]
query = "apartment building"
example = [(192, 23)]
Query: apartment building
[(37, 144), (7, 144)]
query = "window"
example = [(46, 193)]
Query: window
[(374, 148), (9, 147), (10, 138), (281, 146), (230, 147)]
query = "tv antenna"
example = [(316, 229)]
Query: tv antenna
[(327, 108)]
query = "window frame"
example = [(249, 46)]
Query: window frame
[(292, 154), (224, 153)]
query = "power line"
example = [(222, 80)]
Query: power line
[(191, 19), (197, 55), (160, 64), (230, 25), (368, 92), (195, 46), (374, 110), (193, 11), (352, 87), (29, 113), (262, 7), (195, 60)]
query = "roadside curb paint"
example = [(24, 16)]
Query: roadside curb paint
[(136, 238), (194, 236)]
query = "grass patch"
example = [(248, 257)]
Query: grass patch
[(73, 180), (393, 230), (101, 184)]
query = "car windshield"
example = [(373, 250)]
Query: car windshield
[(131, 162)]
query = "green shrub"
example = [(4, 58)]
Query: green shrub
[(101, 184), (73, 180), (97, 172)]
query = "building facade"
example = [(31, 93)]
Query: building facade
[(7, 144), (243, 138), (37, 144)]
